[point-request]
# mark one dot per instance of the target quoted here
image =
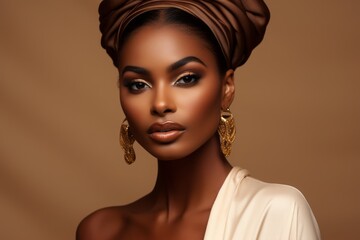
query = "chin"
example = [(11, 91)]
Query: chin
[(170, 153), (169, 156)]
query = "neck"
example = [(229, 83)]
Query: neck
[(191, 183)]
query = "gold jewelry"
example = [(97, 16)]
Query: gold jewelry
[(226, 131), (126, 141)]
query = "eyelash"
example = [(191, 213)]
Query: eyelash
[(137, 85), (194, 78), (133, 85)]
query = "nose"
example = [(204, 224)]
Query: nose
[(163, 101)]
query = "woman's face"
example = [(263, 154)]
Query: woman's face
[(171, 91)]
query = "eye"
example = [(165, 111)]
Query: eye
[(187, 79), (136, 85)]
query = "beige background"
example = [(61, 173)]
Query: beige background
[(297, 110)]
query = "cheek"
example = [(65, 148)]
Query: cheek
[(202, 106), (134, 107)]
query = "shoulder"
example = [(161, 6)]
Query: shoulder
[(112, 222), (275, 198), (281, 204), (106, 223), (273, 192), (250, 189)]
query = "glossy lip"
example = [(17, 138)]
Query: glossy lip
[(165, 132)]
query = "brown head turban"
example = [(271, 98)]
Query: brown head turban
[(238, 25)]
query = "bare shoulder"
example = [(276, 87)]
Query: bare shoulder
[(111, 222), (106, 223)]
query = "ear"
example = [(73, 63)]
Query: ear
[(228, 89)]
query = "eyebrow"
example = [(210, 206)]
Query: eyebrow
[(138, 70), (172, 67), (183, 62)]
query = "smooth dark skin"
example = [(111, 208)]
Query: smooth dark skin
[(191, 169)]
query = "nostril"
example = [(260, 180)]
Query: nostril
[(163, 103), (159, 111)]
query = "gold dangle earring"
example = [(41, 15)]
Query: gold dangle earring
[(226, 131), (126, 141)]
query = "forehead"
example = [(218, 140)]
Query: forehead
[(160, 45)]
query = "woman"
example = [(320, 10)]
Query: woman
[(176, 62)]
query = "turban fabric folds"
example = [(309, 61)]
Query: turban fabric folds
[(238, 25)]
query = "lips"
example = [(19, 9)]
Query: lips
[(166, 132)]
